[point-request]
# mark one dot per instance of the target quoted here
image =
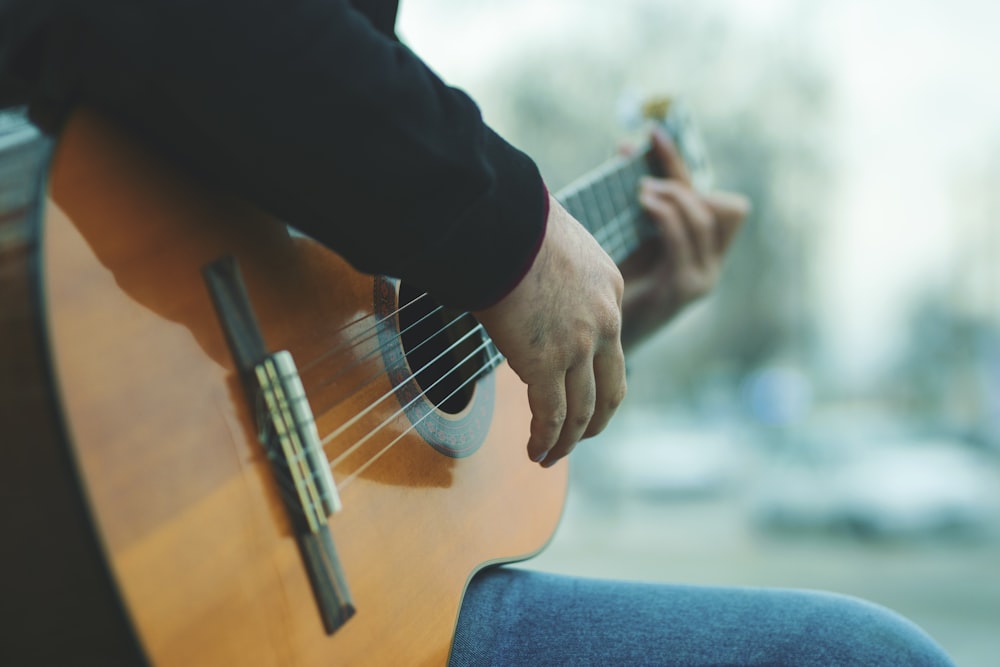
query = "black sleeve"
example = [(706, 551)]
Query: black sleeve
[(307, 109)]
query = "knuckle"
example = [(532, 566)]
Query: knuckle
[(582, 342), (554, 422), (584, 418), (610, 325), (547, 427)]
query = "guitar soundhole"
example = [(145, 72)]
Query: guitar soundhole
[(442, 350)]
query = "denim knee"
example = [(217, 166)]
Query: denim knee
[(834, 629)]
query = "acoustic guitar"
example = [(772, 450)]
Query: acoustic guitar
[(223, 446)]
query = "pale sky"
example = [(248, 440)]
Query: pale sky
[(920, 111)]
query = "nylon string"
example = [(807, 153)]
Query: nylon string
[(287, 483), (490, 364)]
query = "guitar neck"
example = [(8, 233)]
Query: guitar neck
[(604, 201)]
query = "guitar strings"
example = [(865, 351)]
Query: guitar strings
[(285, 481), (305, 366), (286, 484), (361, 338), (377, 350), (402, 410), (490, 364), (377, 373), (392, 390)]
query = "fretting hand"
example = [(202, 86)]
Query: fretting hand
[(683, 262)]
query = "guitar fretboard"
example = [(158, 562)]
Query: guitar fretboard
[(605, 202)]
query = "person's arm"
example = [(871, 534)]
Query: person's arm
[(305, 108), (683, 263), (310, 110)]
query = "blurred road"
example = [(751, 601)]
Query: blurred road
[(950, 587)]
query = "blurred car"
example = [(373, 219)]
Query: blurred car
[(898, 490)]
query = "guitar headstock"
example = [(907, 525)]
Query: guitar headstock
[(673, 116)]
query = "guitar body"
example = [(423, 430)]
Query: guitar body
[(178, 532)]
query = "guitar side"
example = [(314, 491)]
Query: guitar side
[(59, 604), (165, 442)]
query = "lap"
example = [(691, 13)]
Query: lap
[(512, 617)]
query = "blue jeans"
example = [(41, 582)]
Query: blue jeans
[(517, 617)]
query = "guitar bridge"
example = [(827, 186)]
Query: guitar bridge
[(288, 430)]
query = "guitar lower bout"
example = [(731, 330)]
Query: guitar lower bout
[(190, 519)]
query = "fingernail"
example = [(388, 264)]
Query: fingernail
[(537, 458)]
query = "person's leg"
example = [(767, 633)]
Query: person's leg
[(517, 617)]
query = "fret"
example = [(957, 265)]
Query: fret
[(606, 209), (604, 201), (591, 215), (619, 221), (621, 194), (636, 170), (630, 181), (629, 176), (626, 237), (572, 203)]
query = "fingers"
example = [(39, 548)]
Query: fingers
[(562, 416), (548, 414), (710, 221), (730, 209), (581, 397), (686, 221), (609, 371), (665, 153), (668, 220), (727, 208)]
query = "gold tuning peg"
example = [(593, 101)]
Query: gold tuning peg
[(657, 108)]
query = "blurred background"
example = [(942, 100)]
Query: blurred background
[(830, 417)]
